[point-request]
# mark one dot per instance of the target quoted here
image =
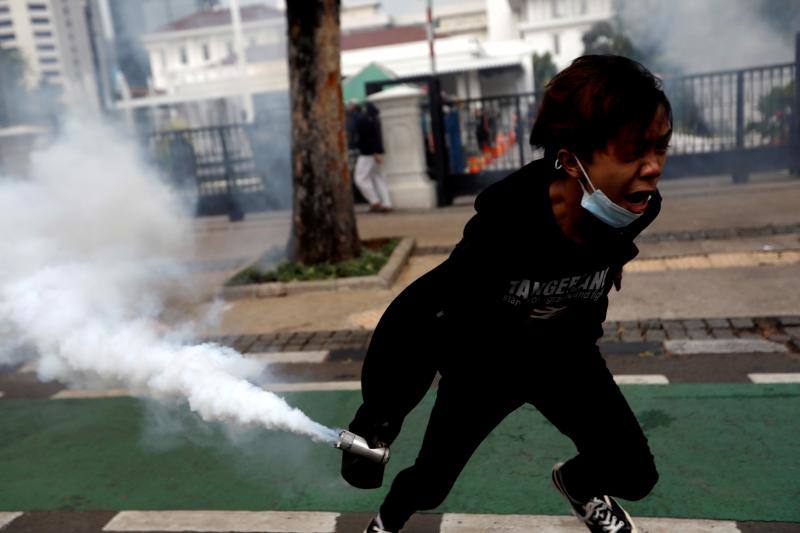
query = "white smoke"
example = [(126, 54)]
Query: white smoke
[(709, 35), (89, 250)]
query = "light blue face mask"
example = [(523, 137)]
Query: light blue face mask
[(598, 204)]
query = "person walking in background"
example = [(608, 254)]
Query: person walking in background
[(369, 175)]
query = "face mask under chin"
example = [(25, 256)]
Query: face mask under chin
[(601, 206)]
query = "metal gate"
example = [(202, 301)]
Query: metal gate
[(216, 164), (731, 122)]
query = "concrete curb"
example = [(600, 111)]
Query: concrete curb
[(383, 280)]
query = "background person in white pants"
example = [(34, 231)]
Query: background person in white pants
[(369, 176)]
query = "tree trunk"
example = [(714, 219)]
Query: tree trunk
[(323, 219)]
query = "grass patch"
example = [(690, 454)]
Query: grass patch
[(374, 254)]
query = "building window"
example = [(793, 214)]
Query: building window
[(48, 60), (45, 47), (584, 7), (556, 44), (184, 56), (6, 37), (229, 48), (4, 9), (40, 20), (42, 34), (5, 23), (37, 7), (206, 52)]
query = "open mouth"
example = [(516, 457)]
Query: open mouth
[(637, 201)]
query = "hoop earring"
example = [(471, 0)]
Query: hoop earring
[(558, 165)]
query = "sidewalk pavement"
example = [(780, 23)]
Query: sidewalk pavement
[(765, 211)]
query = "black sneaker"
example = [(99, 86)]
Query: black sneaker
[(601, 514), (376, 526)]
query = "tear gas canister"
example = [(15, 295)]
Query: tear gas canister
[(352, 443)]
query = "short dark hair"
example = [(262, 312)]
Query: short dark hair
[(590, 102)]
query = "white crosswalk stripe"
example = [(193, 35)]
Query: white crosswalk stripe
[(482, 523), (765, 377), (6, 518), (724, 346), (313, 386), (641, 379), (217, 521), (290, 357)]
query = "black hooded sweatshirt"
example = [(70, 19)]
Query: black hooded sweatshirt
[(514, 270)]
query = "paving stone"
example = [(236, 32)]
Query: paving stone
[(723, 333), (652, 324), (654, 335), (303, 335), (718, 322), (794, 332), (677, 334), (293, 347), (698, 334), (342, 334), (780, 338), (789, 321), (742, 323), (629, 325), (631, 336), (749, 335), (694, 324)]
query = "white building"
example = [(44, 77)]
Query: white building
[(53, 38), (555, 26), (483, 48)]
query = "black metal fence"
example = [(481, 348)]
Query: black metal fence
[(733, 122), (219, 166)]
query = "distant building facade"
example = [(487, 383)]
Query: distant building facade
[(54, 39)]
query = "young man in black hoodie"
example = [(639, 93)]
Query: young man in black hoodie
[(514, 314)]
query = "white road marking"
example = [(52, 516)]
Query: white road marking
[(724, 346), (475, 523), (641, 379), (290, 357), (313, 386), (272, 387), (7, 518), (765, 377), (68, 394), (233, 521)]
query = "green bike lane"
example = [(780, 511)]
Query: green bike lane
[(724, 451)]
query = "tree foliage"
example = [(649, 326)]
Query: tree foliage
[(605, 37), (544, 69), (775, 111)]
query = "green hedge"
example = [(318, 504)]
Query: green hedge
[(368, 263)]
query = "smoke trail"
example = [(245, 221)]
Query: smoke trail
[(714, 34), (89, 258)]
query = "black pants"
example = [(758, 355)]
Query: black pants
[(487, 374)]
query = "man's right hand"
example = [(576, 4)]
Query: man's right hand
[(378, 158)]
